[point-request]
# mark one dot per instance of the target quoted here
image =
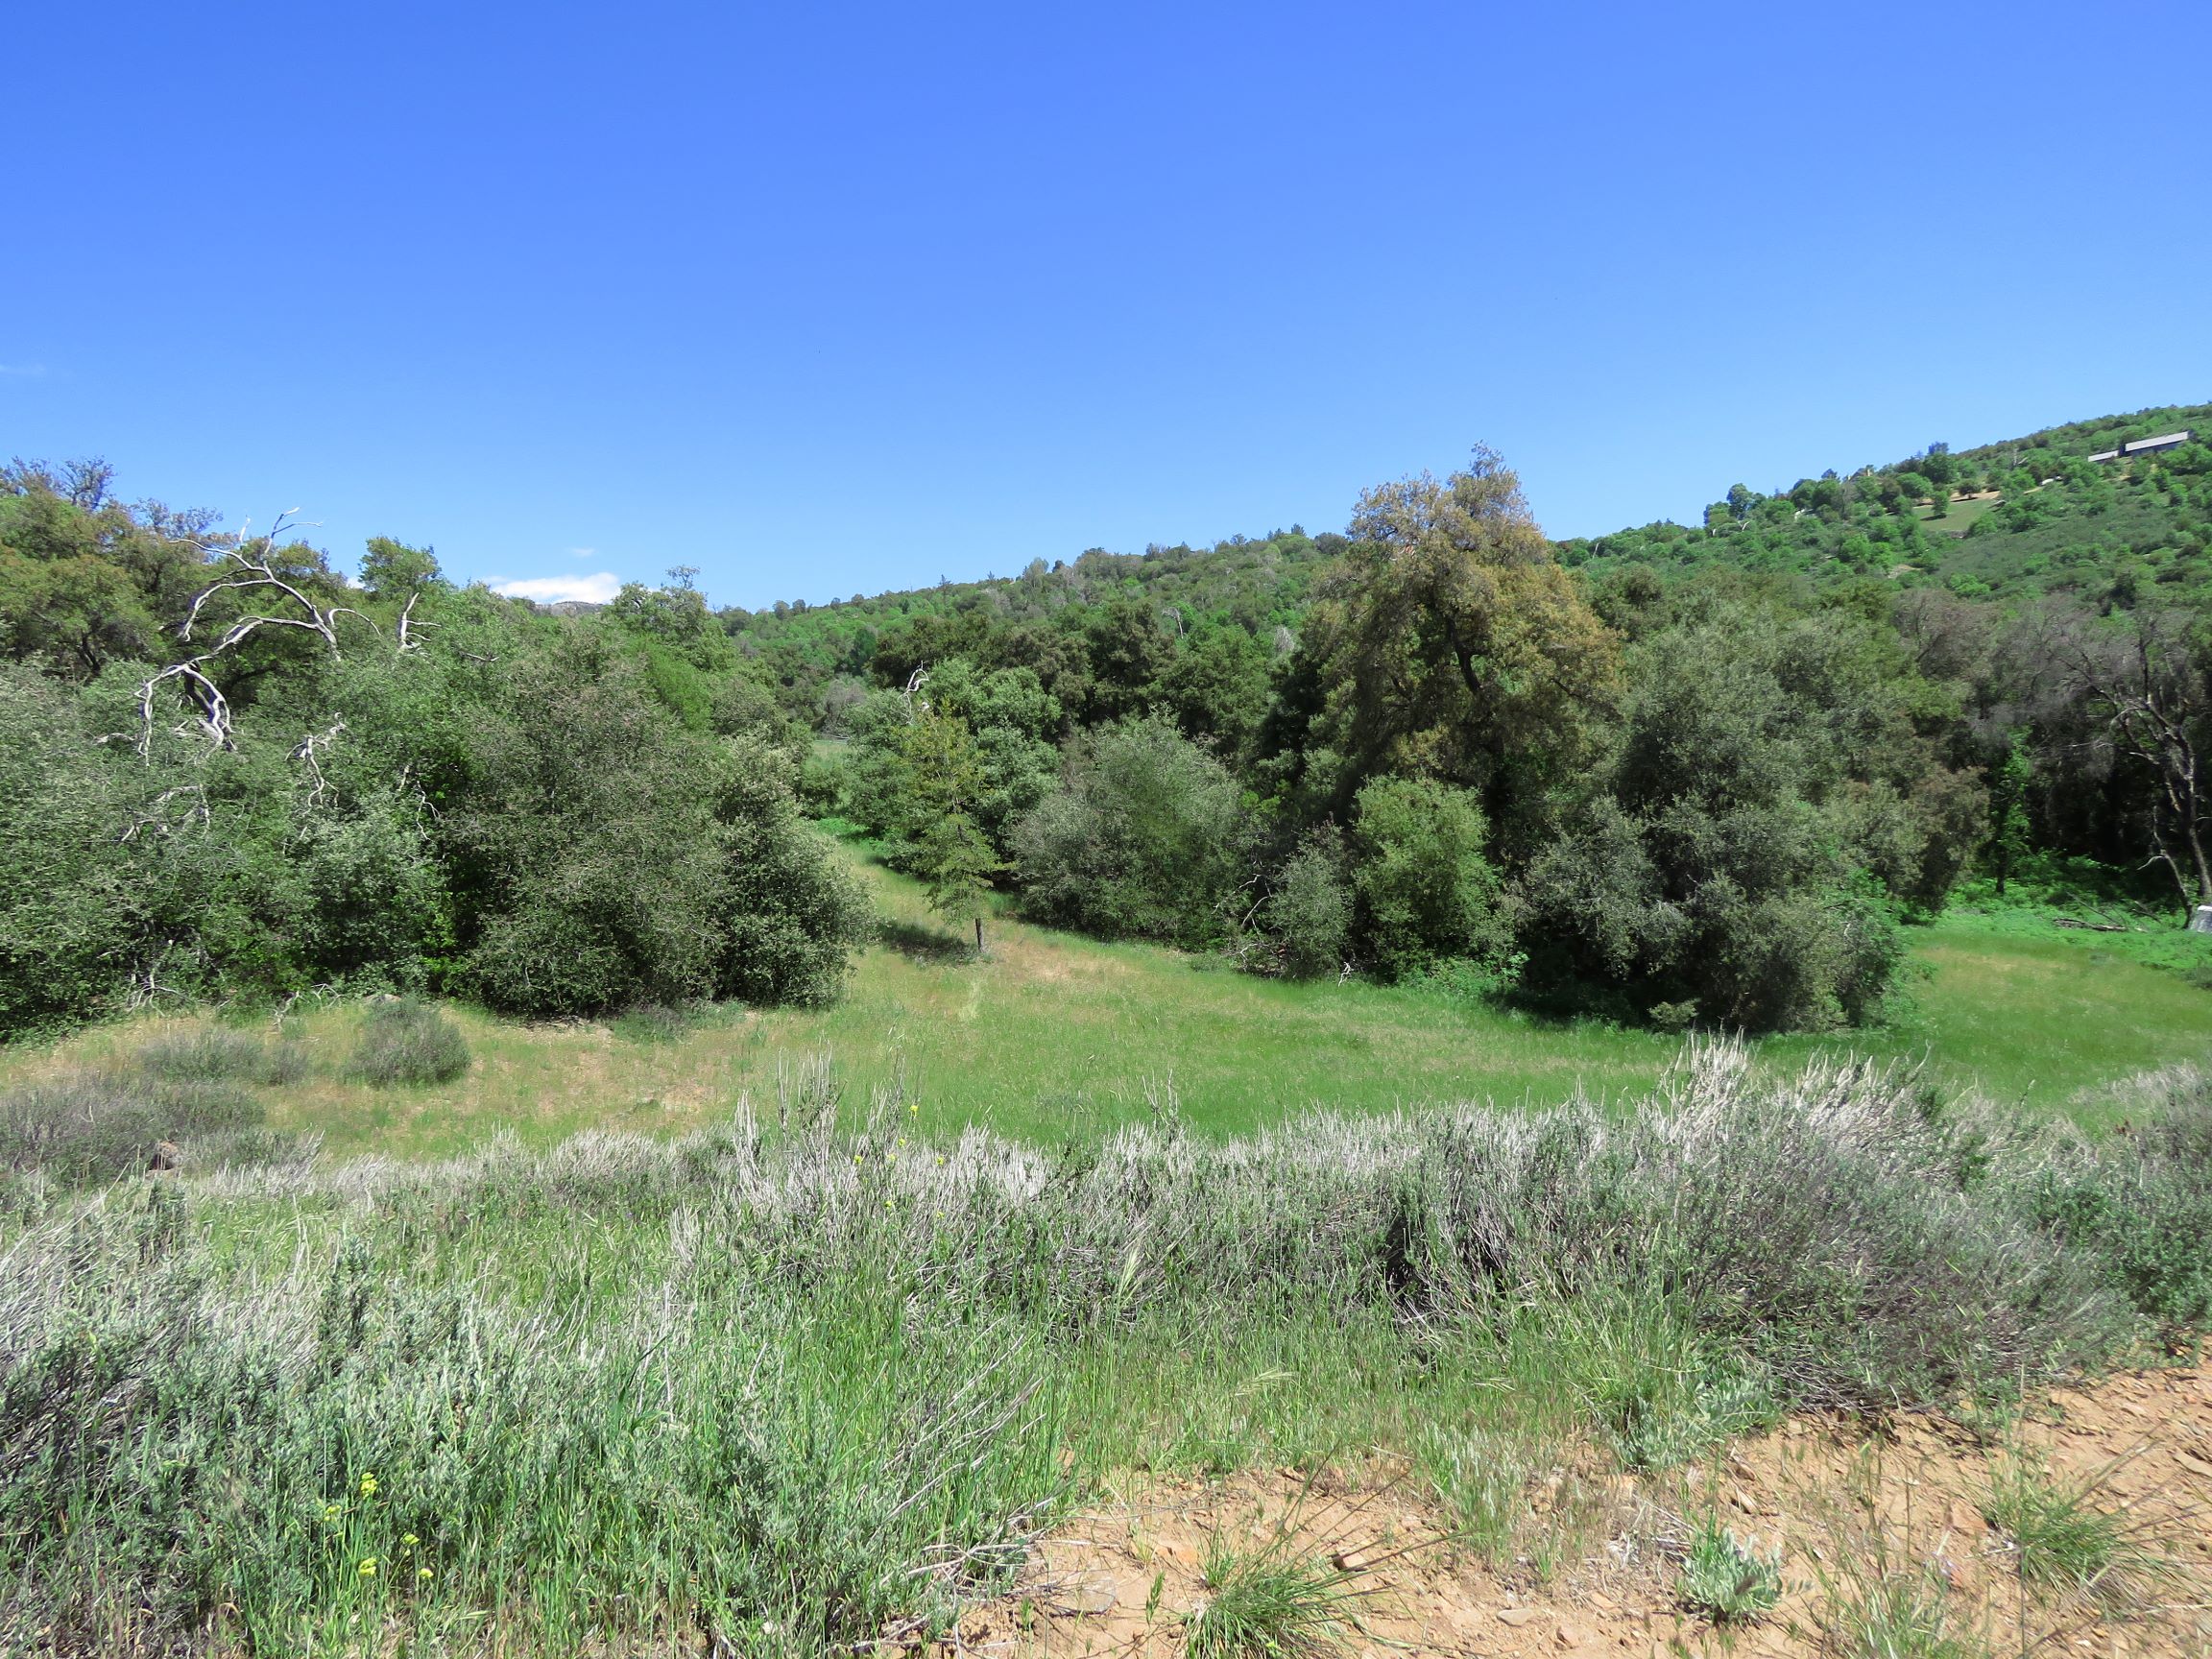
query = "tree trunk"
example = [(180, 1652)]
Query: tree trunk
[(978, 936)]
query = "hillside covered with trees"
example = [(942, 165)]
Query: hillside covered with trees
[(1686, 774)]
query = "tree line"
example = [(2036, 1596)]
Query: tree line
[(1674, 776), (228, 773)]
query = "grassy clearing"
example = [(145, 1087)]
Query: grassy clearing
[(1056, 1034), (1961, 516)]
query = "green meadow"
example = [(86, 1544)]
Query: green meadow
[(1053, 1035)]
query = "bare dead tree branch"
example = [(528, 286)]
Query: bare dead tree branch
[(244, 573), (154, 816), (2149, 696), (307, 752)]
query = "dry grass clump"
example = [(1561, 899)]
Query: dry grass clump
[(213, 1054)]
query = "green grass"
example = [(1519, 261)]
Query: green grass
[(1054, 1035), (1961, 517), (2068, 1534), (1270, 1602)]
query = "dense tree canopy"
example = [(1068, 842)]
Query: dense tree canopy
[(271, 782), (1680, 773)]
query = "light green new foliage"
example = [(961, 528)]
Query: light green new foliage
[(1724, 1580), (1425, 891)]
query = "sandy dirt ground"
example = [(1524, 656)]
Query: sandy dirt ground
[(1863, 1517)]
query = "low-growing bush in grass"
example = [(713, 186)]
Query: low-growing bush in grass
[(211, 1054), (1727, 1582), (1883, 1609), (408, 1042), (2146, 1217), (1272, 1602), (2066, 1539), (86, 1127), (204, 1054)]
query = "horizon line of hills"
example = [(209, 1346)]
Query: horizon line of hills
[(1964, 475), (1996, 521)]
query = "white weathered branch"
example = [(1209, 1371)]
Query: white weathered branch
[(153, 818), (245, 574), (307, 751)]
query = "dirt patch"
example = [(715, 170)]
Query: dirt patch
[(1865, 1524)]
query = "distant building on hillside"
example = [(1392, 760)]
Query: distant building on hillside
[(2144, 445)]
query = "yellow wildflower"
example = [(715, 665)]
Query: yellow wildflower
[(423, 1574), (410, 1539), (368, 1568), (367, 1485)]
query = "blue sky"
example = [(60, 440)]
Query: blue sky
[(830, 298)]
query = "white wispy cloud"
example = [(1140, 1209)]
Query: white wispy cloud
[(594, 590), (25, 370), (582, 552)]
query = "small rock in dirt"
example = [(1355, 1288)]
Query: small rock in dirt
[(1352, 1560), (1567, 1635), (1515, 1618), (1086, 1597)]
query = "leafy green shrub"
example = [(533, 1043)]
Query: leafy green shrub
[(407, 1042), (1661, 1413), (1309, 912), (1143, 838), (1725, 1581), (62, 928), (1426, 893), (2143, 1210)]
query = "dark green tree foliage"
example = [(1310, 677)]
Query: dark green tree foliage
[(1452, 644), (489, 800), (588, 845), (1767, 810), (2009, 825), (85, 580), (895, 783), (1682, 772), (64, 937), (789, 914), (1145, 839), (606, 854)]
